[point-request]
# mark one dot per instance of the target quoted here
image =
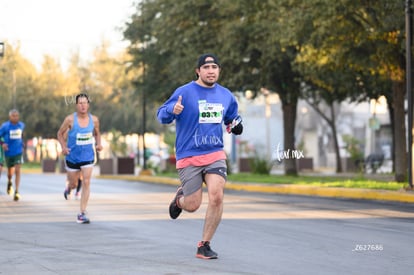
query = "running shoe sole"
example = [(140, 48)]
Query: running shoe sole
[(206, 257)]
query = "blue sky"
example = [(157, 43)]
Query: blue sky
[(62, 27)]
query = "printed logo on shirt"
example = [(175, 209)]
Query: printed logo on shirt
[(84, 138), (16, 134), (210, 112), (200, 140)]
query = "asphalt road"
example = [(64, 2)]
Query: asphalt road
[(131, 233)]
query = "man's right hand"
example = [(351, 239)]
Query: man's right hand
[(5, 147), (178, 107)]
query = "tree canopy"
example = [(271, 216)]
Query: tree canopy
[(341, 50), (44, 97), (320, 50)]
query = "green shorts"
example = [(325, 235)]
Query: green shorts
[(14, 160)]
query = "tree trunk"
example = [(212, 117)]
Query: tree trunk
[(289, 120), (391, 114), (398, 93), (335, 139)]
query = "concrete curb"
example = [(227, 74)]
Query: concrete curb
[(334, 192)]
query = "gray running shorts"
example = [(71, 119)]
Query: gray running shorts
[(192, 177)]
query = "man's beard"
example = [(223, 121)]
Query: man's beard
[(209, 84)]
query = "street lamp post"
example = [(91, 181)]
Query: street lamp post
[(14, 88), (408, 73), (2, 49), (144, 118)]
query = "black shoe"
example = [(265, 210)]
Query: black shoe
[(16, 196), (9, 188), (204, 251), (66, 193), (175, 211)]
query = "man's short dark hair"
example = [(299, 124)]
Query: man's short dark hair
[(82, 95)]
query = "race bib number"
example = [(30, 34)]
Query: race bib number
[(210, 112), (16, 134), (84, 138)]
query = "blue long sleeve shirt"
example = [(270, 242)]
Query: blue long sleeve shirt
[(199, 127)]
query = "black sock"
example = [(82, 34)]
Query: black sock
[(78, 188)]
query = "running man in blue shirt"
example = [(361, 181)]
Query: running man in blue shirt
[(199, 109), (12, 134), (79, 136)]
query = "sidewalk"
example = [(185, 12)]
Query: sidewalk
[(292, 189)]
